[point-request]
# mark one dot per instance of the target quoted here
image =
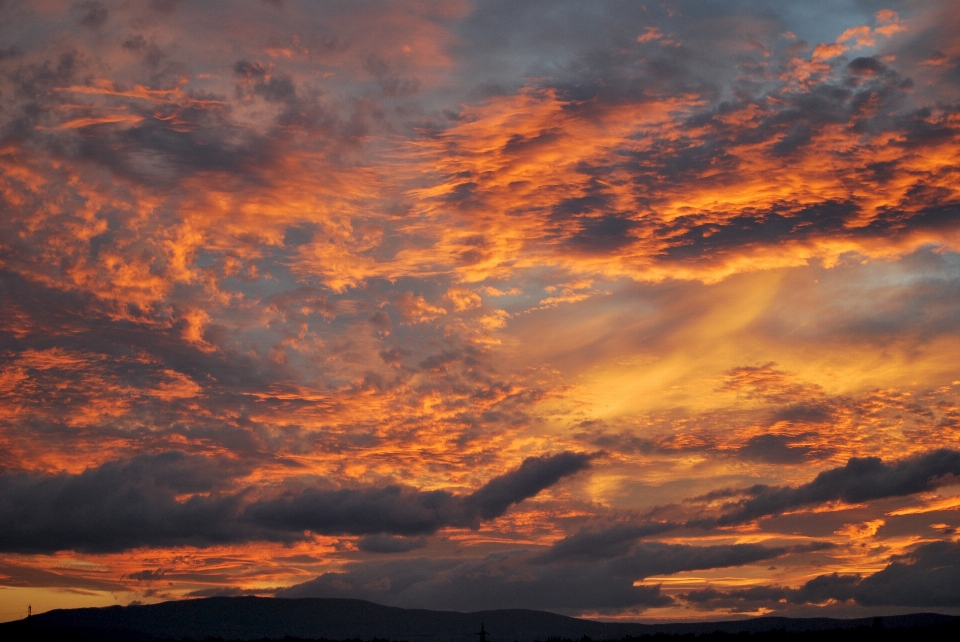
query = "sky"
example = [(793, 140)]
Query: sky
[(623, 310)]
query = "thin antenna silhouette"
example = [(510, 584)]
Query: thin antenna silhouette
[(482, 633), (30, 611)]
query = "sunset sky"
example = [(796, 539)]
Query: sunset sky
[(627, 310)]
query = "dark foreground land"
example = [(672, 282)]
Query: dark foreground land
[(329, 620)]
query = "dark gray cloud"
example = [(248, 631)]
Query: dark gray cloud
[(656, 558), (390, 82), (594, 544), (147, 575), (694, 240), (137, 502), (776, 449), (804, 412), (520, 580), (860, 480), (929, 577), (179, 136), (590, 54), (390, 544), (533, 475), (816, 591), (155, 153), (603, 234), (92, 13), (501, 582), (272, 87), (35, 81), (407, 511), (492, 583), (121, 505), (393, 509), (224, 591)]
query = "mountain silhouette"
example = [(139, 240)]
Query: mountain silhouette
[(254, 618)]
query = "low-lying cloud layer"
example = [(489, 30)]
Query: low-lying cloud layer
[(925, 578), (515, 580), (130, 504), (862, 479)]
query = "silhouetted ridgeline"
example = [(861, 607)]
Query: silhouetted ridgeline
[(252, 618)]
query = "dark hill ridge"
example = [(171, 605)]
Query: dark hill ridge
[(249, 618)]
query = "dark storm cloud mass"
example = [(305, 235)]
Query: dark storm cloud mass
[(519, 580), (603, 234), (396, 509), (704, 240), (172, 154), (129, 504), (407, 511), (605, 543), (533, 475), (860, 480), (118, 506), (817, 591), (928, 577)]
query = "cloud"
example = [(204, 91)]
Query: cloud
[(407, 511), (390, 544), (777, 449), (147, 575), (534, 475), (415, 309), (223, 591), (655, 558), (393, 509), (594, 544), (94, 13), (21, 575), (860, 480), (925, 578), (174, 499), (120, 505), (518, 580), (819, 590), (646, 217)]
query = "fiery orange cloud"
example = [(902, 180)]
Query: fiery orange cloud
[(298, 256)]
